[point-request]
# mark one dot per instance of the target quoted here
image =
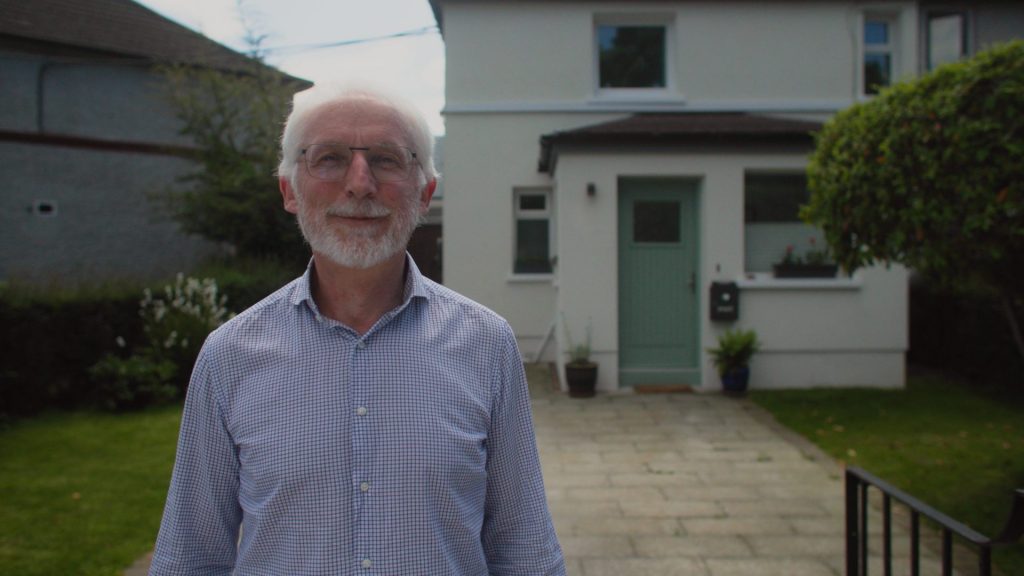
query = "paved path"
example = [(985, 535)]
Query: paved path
[(687, 484)]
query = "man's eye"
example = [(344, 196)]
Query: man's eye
[(328, 159), (386, 160)]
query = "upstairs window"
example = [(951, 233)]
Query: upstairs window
[(879, 53), (533, 245), (631, 56), (772, 225), (945, 37)]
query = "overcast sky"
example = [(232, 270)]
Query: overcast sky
[(412, 66)]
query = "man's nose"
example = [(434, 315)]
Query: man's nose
[(359, 180)]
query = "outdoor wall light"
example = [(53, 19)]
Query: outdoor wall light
[(591, 189)]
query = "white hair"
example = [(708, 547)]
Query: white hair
[(306, 103)]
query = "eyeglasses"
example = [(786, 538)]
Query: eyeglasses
[(387, 163)]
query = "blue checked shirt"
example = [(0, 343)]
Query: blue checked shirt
[(306, 448)]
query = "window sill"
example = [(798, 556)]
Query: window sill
[(659, 96), (530, 278), (765, 281)]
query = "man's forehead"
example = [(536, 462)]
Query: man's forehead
[(360, 116)]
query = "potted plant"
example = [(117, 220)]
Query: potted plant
[(732, 359), (580, 370), (815, 263)]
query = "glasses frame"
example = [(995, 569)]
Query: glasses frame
[(309, 170)]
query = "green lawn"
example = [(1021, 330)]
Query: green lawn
[(82, 493), (959, 449)]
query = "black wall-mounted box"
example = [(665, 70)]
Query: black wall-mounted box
[(725, 301)]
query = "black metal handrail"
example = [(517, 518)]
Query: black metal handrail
[(857, 483)]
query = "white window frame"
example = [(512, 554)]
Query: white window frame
[(518, 213), (666, 21), (891, 48)]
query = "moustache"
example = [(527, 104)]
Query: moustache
[(362, 210)]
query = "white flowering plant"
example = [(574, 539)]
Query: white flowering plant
[(176, 321)]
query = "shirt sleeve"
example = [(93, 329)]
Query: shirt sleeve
[(199, 531), (518, 535)]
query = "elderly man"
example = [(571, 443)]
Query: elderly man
[(362, 419)]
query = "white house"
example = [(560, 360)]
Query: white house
[(607, 162)]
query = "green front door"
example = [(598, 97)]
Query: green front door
[(658, 304)]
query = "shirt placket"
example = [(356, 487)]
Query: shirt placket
[(361, 480)]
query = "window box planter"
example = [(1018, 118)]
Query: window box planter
[(806, 270)]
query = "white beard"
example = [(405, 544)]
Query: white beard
[(362, 247)]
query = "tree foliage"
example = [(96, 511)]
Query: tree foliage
[(235, 121), (931, 174)]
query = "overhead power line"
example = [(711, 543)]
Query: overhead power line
[(325, 45)]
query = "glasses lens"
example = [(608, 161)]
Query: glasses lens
[(389, 163), (331, 161)]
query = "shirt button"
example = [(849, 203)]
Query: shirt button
[(361, 411), (367, 563), (361, 345), (365, 486)]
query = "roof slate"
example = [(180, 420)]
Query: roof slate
[(653, 125), (119, 27), (674, 129)]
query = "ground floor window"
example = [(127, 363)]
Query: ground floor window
[(772, 226), (533, 229), (879, 53)]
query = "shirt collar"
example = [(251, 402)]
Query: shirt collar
[(415, 286)]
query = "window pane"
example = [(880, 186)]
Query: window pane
[(876, 32), (631, 56), (877, 72), (771, 212), (774, 197), (655, 221), (945, 39), (532, 247), (765, 244), (533, 202)]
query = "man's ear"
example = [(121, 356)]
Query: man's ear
[(291, 203), (426, 194)]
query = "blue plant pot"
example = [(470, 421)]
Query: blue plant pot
[(734, 382)]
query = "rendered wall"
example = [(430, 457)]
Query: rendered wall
[(723, 54), (486, 158)]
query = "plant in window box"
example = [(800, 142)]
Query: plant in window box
[(580, 370), (815, 263), (732, 359)]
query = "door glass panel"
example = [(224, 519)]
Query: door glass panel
[(655, 222)]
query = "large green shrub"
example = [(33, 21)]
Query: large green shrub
[(50, 339), (134, 382), (931, 174)]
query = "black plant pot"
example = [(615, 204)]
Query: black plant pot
[(582, 379), (734, 382)]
